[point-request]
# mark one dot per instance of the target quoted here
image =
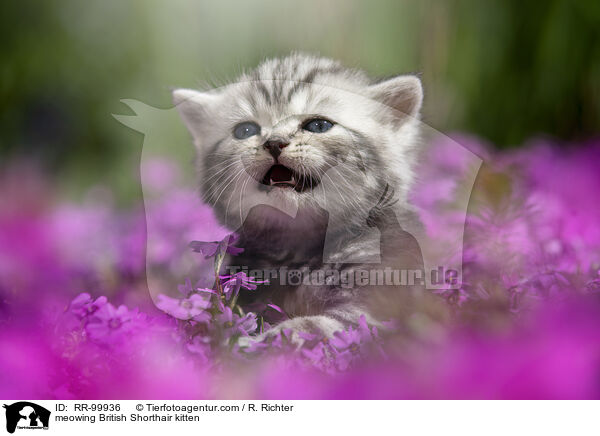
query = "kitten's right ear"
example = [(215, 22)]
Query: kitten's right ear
[(194, 107)]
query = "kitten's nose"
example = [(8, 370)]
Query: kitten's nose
[(275, 145)]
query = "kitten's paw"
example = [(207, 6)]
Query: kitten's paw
[(278, 337), (293, 333), (247, 341)]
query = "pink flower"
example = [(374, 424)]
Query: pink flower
[(233, 283), (317, 355), (350, 344), (110, 324), (200, 346), (212, 249), (193, 307), (233, 324), (83, 305)]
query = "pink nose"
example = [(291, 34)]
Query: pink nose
[(274, 146)]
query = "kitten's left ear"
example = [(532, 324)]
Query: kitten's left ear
[(404, 94)]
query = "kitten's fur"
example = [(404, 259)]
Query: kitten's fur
[(370, 146)]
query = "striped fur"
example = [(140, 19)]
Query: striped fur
[(372, 145)]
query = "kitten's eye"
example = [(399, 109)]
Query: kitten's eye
[(246, 130), (317, 125)]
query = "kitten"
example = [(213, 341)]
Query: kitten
[(306, 134)]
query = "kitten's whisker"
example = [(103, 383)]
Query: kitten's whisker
[(221, 169), (334, 184), (241, 171), (354, 202), (231, 196), (218, 184), (221, 174), (244, 186), (218, 168), (216, 153)]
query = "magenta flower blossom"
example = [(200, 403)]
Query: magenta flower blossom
[(233, 283), (350, 344), (212, 249), (347, 340), (200, 347), (277, 309), (308, 337), (365, 331), (109, 324), (192, 308), (316, 355), (83, 305), (594, 284), (233, 324), (282, 340)]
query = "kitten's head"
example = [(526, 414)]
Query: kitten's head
[(302, 131)]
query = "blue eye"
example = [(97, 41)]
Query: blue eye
[(246, 130), (317, 125)]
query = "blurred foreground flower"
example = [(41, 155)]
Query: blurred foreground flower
[(189, 308), (524, 324)]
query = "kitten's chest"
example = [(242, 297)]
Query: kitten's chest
[(299, 284), (283, 270), (301, 279)]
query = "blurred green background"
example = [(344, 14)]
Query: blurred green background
[(504, 70)]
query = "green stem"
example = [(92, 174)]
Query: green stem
[(234, 300), (218, 262)]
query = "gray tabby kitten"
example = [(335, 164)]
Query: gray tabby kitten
[(307, 136)]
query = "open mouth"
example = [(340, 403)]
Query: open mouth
[(284, 177)]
